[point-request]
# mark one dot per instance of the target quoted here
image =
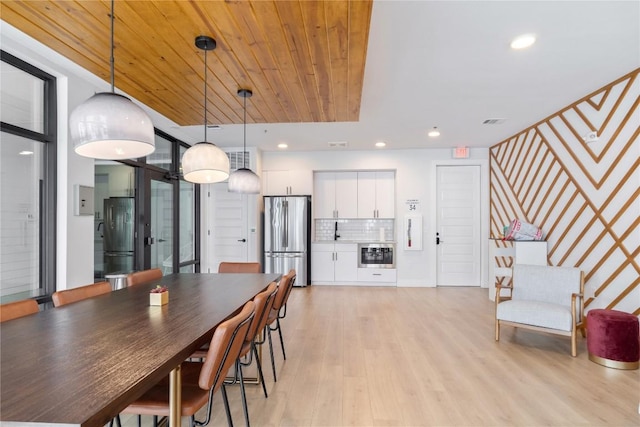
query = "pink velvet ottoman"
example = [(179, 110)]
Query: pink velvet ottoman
[(613, 338)]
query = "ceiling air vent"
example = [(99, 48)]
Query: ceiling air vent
[(493, 121), (338, 144), (237, 159)]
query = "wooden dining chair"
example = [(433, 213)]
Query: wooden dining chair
[(69, 296), (264, 303), (144, 276), (239, 267), (200, 380), (16, 309), (279, 311)]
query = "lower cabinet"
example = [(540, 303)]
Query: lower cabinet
[(377, 275), (334, 262), (337, 264)]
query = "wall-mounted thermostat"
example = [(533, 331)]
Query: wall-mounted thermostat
[(83, 200)]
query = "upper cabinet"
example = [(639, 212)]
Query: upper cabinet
[(376, 194), (287, 182), (336, 195), (354, 194)]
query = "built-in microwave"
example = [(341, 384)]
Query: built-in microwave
[(376, 255)]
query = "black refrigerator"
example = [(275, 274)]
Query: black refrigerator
[(118, 234), (287, 236)]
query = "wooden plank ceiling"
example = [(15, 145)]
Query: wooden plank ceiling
[(304, 60)]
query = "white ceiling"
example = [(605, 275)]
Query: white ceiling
[(448, 64)]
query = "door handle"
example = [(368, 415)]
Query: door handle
[(149, 241), (438, 241), (242, 240)]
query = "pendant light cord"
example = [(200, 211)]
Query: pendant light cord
[(112, 60), (205, 95), (244, 144)]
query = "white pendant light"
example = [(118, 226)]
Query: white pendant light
[(204, 162), (110, 126), (244, 180)]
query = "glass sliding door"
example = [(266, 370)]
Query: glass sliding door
[(166, 213), (114, 219), (161, 220), (187, 227)]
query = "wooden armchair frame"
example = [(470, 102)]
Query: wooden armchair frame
[(577, 322)]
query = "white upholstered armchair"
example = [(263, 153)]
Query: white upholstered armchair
[(543, 298)]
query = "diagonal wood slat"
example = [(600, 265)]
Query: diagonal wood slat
[(586, 204)]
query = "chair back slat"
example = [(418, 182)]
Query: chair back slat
[(239, 267), (144, 276), (16, 309), (225, 347), (69, 296), (264, 305)]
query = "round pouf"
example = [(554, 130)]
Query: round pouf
[(613, 339)]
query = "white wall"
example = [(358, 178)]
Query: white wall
[(415, 179), (415, 172)]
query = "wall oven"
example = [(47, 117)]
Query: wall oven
[(376, 255)]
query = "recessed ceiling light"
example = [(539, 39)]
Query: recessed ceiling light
[(380, 144), (26, 153), (523, 41), (282, 145), (434, 132)]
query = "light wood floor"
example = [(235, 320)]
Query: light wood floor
[(360, 356)]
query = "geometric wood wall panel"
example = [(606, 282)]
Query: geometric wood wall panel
[(584, 195)]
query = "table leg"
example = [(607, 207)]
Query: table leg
[(175, 397)]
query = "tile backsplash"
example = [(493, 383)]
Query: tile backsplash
[(364, 230)]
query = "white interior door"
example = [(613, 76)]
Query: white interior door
[(228, 233), (458, 225)]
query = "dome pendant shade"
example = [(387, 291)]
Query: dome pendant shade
[(205, 163), (111, 127), (244, 180)]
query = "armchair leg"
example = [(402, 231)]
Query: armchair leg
[(497, 330)]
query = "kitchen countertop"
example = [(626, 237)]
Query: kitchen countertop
[(355, 241)]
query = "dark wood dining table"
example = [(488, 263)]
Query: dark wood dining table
[(82, 364)]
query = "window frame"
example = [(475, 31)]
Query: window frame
[(48, 218)]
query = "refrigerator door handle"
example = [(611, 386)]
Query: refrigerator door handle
[(285, 242)]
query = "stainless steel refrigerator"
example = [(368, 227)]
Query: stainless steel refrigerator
[(287, 236), (118, 234)]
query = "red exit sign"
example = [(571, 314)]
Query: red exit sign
[(461, 153)]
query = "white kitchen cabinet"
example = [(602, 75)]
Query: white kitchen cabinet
[(322, 262), (287, 182), (334, 263), (377, 275), (376, 194), (336, 195)]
